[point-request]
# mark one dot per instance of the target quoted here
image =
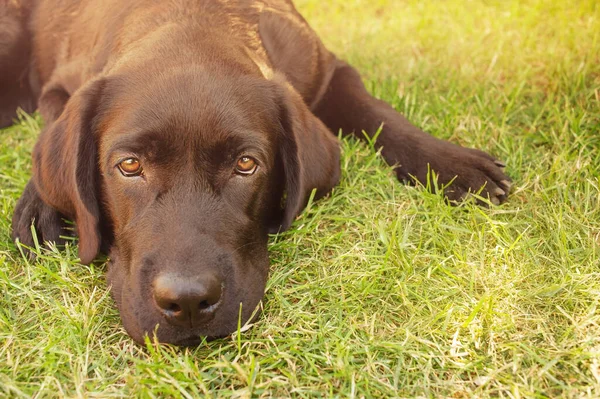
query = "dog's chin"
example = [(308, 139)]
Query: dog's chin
[(165, 333), (156, 328)]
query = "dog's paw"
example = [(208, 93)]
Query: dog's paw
[(460, 172), (49, 223)]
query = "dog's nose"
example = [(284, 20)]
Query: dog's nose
[(186, 301)]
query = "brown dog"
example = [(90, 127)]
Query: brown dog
[(179, 133)]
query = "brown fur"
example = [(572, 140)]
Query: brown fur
[(188, 87)]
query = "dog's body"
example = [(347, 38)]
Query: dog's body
[(179, 133)]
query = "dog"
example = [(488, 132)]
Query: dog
[(180, 133)]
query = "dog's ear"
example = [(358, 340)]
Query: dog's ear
[(65, 170), (297, 52), (308, 152)]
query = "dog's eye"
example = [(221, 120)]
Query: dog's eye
[(130, 167), (246, 166)]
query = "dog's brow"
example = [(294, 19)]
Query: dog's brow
[(135, 142), (246, 140)]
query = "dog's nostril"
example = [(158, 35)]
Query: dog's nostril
[(175, 308), (204, 305)]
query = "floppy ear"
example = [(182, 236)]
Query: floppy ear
[(65, 169), (295, 50), (309, 152)]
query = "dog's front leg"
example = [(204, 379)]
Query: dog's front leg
[(348, 106), (48, 222)]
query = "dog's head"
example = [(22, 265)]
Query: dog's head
[(184, 175)]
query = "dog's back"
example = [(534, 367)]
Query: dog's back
[(72, 41), (14, 60)]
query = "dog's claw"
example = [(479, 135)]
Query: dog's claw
[(500, 164), (506, 185)]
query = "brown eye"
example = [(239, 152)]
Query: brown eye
[(246, 166), (130, 167)]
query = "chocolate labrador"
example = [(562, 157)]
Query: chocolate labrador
[(180, 133)]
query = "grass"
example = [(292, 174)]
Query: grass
[(379, 290)]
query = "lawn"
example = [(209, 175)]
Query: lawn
[(379, 290)]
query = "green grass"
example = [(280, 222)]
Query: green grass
[(379, 290)]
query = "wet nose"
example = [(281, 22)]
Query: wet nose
[(186, 301)]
